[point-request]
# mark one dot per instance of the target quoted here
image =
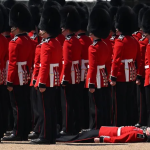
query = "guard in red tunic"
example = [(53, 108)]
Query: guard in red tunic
[(48, 76), (97, 81), (123, 71), (141, 97), (19, 63), (146, 30), (70, 75)]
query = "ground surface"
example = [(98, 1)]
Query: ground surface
[(72, 146)]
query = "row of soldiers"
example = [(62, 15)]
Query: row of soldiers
[(67, 80)]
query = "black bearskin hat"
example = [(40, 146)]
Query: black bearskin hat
[(84, 7), (36, 15), (5, 17), (72, 3), (50, 21), (103, 3), (39, 3), (8, 3), (146, 22), (99, 23), (51, 3), (70, 18), (20, 17), (113, 12), (116, 3), (125, 20), (141, 13), (2, 21), (61, 2)]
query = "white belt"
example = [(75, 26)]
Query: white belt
[(83, 68), (52, 74), (119, 131), (147, 67), (126, 61), (63, 62), (20, 71), (39, 65), (73, 71), (99, 75)]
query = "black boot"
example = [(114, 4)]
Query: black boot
[(12, 137), (33, 135), (40, 141)]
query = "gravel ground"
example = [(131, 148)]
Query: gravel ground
[(73, 146)]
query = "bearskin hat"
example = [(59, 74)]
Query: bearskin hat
[(20, 17), (39, 3), (103, 3), (36, 15), (8, 3), (84, 7), (61, 2), (141, 13), (70, 18), (113, 12), (52, 3), (72, 3), (99, 22), (125, 20), (146, 22), (2, 21), (116, 3), (50, 21)]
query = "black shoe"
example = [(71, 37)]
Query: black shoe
[(8, 133), (138, 125), (33, 135), (63, 133), (40, 141), (12, 137)]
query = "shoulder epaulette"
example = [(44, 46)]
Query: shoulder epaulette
[(33, 36), (94, 43), (113, 38), (68, 37), (135, 32), (15, 38), (78, 36), (121, 37), (143, 37)]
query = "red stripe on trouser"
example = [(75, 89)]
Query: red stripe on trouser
[(95, 114), (44, 117), (66, 111)]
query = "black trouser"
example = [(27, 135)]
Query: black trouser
[(141, 101), (70, 103), (20, 106), (99, 108), (47, 114), (147, 91), (84, 106), (35, 113), (124, 103)]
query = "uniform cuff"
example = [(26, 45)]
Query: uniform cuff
[(138, 77), (92, 86), (65, 83), (9, 84), (112, 78), (41, 85)]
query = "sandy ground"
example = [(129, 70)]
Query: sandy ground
[(73, 146)]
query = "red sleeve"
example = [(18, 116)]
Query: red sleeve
[(13, 53), (148, 55), (36, 62), (117, 57), (129, 137), (67, 56), (44, 70), (92, 67)]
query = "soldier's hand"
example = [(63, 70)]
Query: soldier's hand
[(36, 88), (138, 82), (42, 90), (9, 88), (91, 90), (112, 83)]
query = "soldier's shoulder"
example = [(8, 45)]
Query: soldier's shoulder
[(143, 38), (15, 38), (121, 37), (113, 38), (68, 38)]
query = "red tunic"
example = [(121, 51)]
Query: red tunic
[(121, 134), (20, 60), (51, 60), (71, 60), (98, 58), (137, 35), (61, 39), (85, 42), (143, 44), (113, 39), (126, 51)]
